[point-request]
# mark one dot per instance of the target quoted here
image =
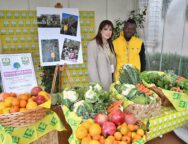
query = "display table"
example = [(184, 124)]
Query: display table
[(167, 121), (29, 134)]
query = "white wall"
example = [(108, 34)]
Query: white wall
[(104, 9)]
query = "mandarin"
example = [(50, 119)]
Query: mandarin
[(140, 132), (23, 103), (24, 96), (15, 102), (96, 137), (85, 140), (95, 129), (14, 109), (81, 132), (94, 142), (118, 136)]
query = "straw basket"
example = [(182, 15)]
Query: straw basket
[(21, 119), (164, 100), (144, 111)]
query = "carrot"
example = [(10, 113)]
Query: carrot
[(114, 106)]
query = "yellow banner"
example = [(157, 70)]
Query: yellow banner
[(26, 135)]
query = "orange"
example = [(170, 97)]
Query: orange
[(140, 132), (12, 94), (126, 139), (133, 134), (23, 103), (2, 105), (8, 101), (85, 140), (94, 142), (122, 142), (31, 105), (81, 132), (129, 134), (131, 127), (108, 141), (96, 137), (116, 142), (95, 129), (15, 102), (102, 140), (4, 95), (24, 96), (14, 109), (137, 137), (87, 124), (118, 136), (6, 110), (111, 138), (23, 109), (124, 130)]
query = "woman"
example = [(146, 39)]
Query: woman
[(100, 56)]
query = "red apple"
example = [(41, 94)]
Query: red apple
[(35, 91), (39, 99)]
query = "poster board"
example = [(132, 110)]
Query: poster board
[(17, 72), (59, 36), (19, 34)]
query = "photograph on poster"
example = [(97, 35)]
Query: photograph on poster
[(59, 45), (70, 50), (69, 24), (50, 50), (47, 20)]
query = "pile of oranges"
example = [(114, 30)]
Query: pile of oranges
[(90, 132), (11, 102)]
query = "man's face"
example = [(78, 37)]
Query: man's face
[(129, 30)]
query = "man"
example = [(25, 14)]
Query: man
[(129, 49)]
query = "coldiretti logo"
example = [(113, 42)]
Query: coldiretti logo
[(28, 133), (72, 122), (183, 104), (42, 127), (9, 130), (15, 139), (2, 137), (25, 60), (53, 121), (176, 96), (5, 61)]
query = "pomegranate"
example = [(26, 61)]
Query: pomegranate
[(130, 118), (101, 118), (108, 128), (117, 117)]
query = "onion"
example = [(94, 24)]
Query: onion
[(117, 117), (101, 118), (108, 128)]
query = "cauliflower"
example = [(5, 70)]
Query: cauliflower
[(70, 95), (83, 109), (77, 105), (91, 95), (98, 87)]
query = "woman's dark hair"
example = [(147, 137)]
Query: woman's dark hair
[(98, 37)]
